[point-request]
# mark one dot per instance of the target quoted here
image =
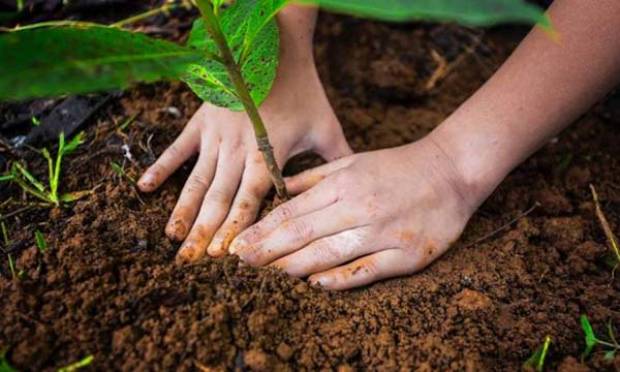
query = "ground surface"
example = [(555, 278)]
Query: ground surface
[(107, 285)]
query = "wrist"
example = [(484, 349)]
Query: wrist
[(474, 173)]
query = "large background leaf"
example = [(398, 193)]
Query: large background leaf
[(253, 37), (54, 61), (469, 12)]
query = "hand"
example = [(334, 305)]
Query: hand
[(223, 193), (363, 218)]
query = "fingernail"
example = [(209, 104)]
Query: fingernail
[(176, 229), (185, 255), (147, 181), (322, 281), (236, 245), (215, 248)]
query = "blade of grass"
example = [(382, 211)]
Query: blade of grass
[(12, 266), (5, 234), (78, 365), (40, 241), (29, 177), (50, 163)]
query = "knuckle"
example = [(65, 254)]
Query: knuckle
[(217, 196), (197, 183), (284, 212), (173, 151), (299, 230), (328, 252), (371, 268)]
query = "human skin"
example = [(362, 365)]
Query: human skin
[(386, 213), (223, 193)]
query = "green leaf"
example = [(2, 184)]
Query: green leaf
[(67, 60), (537, 359), (468, 12), (252, 35), (28, 176), (590, 337), (78, 365), (70, 197), (73, 144), (6, 178), (5, 366), (40, 241), (609, 355)]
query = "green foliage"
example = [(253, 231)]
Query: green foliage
[(120, 171), (537, 360), (590, 337), (611, 346), (84, 362), (40, 241), (470, 12), (252, 35), (71, 57), (5, 366), (67, 60), (47, 194), (14, 273)]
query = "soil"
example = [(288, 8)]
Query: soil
[(107, 285)]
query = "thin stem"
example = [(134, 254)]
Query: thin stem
[(138, 17), (234, 72)]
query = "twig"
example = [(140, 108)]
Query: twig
[(15, 212), (504, 226), (609, 234)]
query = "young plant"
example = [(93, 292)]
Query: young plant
[(31, 185), (537, 360), (610, 347), (120, 172), (229, 60)]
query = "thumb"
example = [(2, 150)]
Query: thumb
[(307, 179)]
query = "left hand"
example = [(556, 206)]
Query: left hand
[(363, 218)]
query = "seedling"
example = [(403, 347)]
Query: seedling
[(84, 362), (40, 241), (610, 346), (120, 171), (537, 360), (229, 60), (31, 185)]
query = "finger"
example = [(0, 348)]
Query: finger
[(255, 184), (298, 232), (215, 205), (328, 252), (308, 179), (193, 192), (310, 201), (385, 264), (182, 148)]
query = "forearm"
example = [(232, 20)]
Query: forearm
[(297, 25), (543, 87)]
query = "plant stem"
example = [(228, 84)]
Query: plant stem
[(138, 17), (234, 72)]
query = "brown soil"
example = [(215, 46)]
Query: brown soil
[(107, 285)]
